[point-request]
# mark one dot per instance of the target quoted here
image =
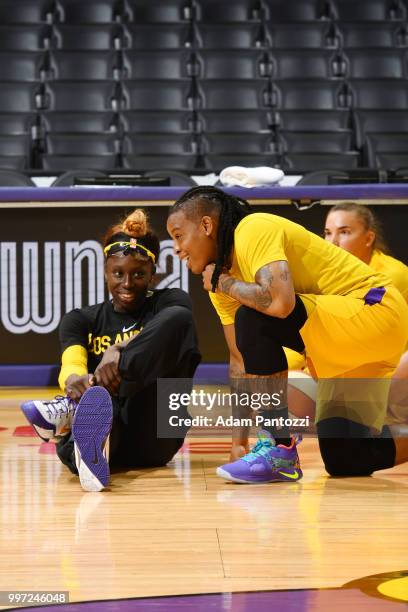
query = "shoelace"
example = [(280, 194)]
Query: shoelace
[(60, 405), (262, 446)]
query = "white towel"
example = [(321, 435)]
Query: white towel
[(250, 177)]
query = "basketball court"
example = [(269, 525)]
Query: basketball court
[(180, 538), (143, 99)]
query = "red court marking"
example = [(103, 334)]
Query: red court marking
[(25, 445), (212, 444), (25, 431), (3, 428), (205, 448), (205, 445), (207, 452), (47, 448)]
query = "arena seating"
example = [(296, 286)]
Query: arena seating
[(196, 85)]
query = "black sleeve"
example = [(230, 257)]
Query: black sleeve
[(173, 297), (74, 329)]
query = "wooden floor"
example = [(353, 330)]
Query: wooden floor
[(180, 529)]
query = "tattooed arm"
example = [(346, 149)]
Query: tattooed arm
[(272, 292)]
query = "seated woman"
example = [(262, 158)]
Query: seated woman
[(112, 355)]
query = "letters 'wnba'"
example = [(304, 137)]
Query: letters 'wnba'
[(32, 288)]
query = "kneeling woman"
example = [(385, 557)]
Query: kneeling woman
[(275, 284), (112, 355)]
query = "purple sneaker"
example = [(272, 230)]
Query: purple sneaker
[(91, 427), (265, 463), (51, 419)]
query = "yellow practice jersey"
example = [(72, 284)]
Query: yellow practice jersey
[(393, 268), (317, 267)]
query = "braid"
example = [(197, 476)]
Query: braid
[(230, 209)]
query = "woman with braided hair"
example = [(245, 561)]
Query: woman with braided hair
[(112, 355), (275, 284)]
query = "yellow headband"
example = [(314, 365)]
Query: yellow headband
[(132, 244)]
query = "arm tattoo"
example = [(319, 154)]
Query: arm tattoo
[(264, 279), (226, 284), (236, 372), (255, 295)]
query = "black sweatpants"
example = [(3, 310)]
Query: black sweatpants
[(347, 448), (166, 348)]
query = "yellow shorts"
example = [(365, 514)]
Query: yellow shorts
[(296, 361), (345, 338)]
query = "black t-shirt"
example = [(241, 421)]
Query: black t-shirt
[(100, 326)]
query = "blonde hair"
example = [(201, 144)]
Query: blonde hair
[(369, 221)]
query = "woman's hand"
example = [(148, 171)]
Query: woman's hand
[(107, 373), (207, 276), (75, 386)]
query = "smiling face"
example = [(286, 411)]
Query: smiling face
[(128, 278), (194, 240), (346, 229)]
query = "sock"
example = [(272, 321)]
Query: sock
[(280, 433)]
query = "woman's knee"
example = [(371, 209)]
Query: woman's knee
[(341, 457), (253, 328), (260, 348), (248, 328), (180, 316)]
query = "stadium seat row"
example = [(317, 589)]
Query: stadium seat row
[(204, 64), (142, 149), (210, 94), (145, 36), (173, 11)]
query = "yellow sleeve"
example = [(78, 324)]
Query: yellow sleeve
[(258, 242), (399, 276), (225, 306), (395, 269), (74, 360)]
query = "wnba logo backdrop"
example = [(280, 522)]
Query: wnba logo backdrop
[(21, 292), (33, 298), (51, 261), (41, 281)]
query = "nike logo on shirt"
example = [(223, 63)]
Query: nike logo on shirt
[(126, 329)]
